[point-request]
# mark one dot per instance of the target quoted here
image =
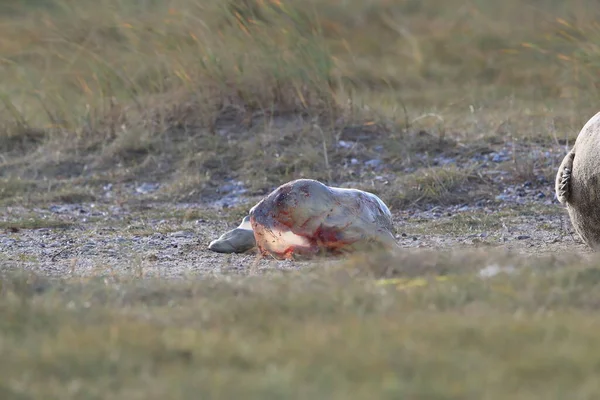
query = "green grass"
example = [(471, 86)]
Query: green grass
[(349, 332), (437, 185)]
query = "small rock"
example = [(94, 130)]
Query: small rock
[(498, 157), (542, 180), (181, 234), (374, 163), (523, 237), (344, 144), (58, 209), (233, 188), (145, 188), (444, 160)]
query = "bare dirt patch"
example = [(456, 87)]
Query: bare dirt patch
[(135, 234)]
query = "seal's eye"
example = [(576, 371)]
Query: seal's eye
[(281, 197)]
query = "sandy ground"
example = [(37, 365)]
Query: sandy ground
[(104, 239)]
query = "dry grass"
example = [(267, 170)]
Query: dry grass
[(437, 185), (195, 92)]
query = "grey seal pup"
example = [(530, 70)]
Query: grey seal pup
[(305, 218)]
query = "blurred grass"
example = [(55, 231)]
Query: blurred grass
[(78, 66), (345, 332), (122, 69), (69, 59), (194, 92)]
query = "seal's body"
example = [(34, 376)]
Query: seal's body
[(578, 183), (305, 218)]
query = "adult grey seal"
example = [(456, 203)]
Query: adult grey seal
[(578, 183), (304, 218)]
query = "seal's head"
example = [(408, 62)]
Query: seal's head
[(238, 240)]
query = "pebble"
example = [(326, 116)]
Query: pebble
[(232, 188), (146, 188), (374, 163), (181, 234), (344, 144), (501, 156)]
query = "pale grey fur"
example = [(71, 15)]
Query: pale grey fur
[(577, 183)]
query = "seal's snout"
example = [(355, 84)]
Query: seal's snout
[(238, 240), (220, 247)]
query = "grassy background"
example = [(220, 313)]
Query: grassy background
[(192, 93), (197, 92)]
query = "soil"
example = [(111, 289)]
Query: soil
[(101, 239)]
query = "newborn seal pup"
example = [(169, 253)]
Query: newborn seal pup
[(578, 183), (305, 218)]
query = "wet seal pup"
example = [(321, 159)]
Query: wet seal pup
[(578, 183), (305, 218)]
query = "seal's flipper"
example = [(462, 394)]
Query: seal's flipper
[(563, 178)]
